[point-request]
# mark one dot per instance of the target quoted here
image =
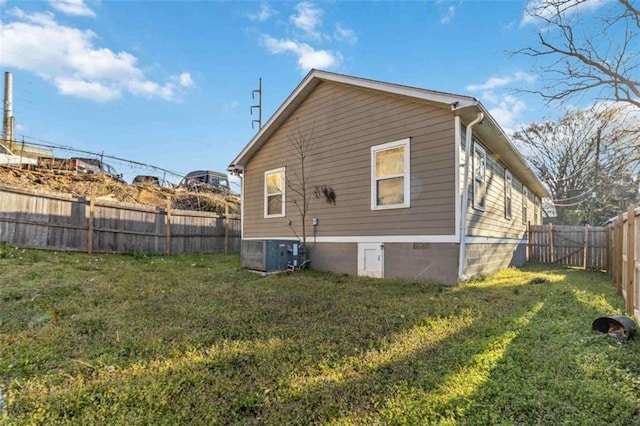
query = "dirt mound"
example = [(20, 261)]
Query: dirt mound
[(104, 187)]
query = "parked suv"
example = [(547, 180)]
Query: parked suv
[(206, 181)]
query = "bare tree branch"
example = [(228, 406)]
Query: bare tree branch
[(601, 59)]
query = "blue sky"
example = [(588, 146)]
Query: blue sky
[(169, 83)]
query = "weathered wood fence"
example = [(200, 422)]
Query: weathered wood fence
[(625, 255), (583, 246), (48, 220)]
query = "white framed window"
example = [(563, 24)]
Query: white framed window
[(508, 191), (274, 193), (390, 175), (525, 204), (479, 176)]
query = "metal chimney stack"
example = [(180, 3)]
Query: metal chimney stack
[(7, 120)]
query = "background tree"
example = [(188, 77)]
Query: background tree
[(596, 54), (587, 160)]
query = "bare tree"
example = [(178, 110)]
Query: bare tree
[(587, 160), (298, 180), (597, 54)]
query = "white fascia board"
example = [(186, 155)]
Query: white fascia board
[(374, 239), (443, 98)]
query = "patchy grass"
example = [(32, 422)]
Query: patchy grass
[(138, 339)]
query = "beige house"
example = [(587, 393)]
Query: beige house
[(427, 185)]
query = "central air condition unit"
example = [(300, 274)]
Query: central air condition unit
[(269, 255)]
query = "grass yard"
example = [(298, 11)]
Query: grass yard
[(114, 339)]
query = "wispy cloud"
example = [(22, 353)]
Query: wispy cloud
[(448, 15), (504, 107), (536, 9), (72, 7), (308, 57), (263, 14), (67, 57), (305, 36), (343, 33), (308, 18)]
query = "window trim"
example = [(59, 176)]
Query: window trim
[(406, 144), (283, 193), (508, 194), (483, 152)]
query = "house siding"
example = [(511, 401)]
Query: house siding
[(508, 234), (344, 123), (492, 221)]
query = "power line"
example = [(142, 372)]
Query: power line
[(48, 144)]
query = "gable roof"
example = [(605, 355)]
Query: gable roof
[(467, 107)]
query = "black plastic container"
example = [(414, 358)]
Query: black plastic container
[(620, 326)]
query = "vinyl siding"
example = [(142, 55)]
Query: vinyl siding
[(344, 123), (492, 221)]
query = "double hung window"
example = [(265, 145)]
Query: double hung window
[(390, 175), (274, 193)]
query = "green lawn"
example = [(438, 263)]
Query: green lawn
[(114, 339)]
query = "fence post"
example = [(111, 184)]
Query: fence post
[(619, 238), (585, 261), (92, 204), (529, 234), (631, 260), (225, 227), (550, 240), (168, 229)]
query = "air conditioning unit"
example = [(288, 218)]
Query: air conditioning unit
[(269, 255)]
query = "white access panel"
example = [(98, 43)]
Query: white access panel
[(371, 260)]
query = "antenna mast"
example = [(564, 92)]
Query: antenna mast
[(259, 106)]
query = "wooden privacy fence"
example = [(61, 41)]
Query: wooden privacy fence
[(47, 220), (583, 246), (625, 254)]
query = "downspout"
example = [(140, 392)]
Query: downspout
[(462, 257), (239, 171)]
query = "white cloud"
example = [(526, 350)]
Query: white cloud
[(87, 89), (448, 15), (184, 79), (507, 112), (496, 82), (72, 7), (308, 57), (505, 108), (67, 57), (308, 18), (345, 34), (263, 14), (536, 9)]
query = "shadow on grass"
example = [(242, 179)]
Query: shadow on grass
[(321, 348)]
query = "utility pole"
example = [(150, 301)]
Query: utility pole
[(258, 106)]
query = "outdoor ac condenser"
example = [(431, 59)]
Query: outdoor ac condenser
[(269, 255)]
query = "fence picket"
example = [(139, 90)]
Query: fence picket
[(48, 220)]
